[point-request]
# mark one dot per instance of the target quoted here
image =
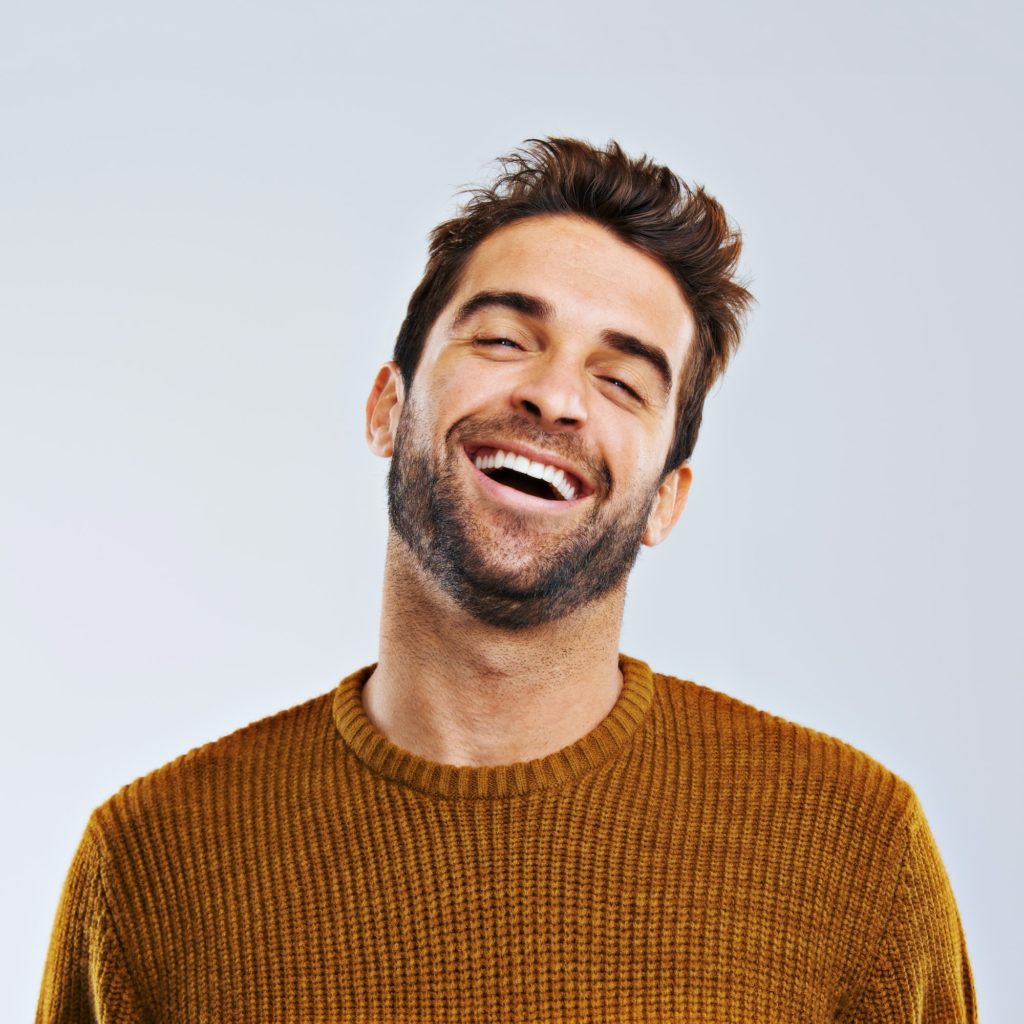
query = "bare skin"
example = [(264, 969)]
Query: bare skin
[(452, 689), (447, 686)]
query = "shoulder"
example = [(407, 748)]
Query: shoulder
[(234, 770), (761, 751)]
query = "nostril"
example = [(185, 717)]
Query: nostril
[(531, 407)]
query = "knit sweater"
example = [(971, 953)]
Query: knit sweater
[(691, 859)]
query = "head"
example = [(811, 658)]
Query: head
[(553, 327), (645, 205)]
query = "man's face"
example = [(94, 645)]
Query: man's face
[(528, 456)]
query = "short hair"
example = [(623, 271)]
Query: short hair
[(645, 205)]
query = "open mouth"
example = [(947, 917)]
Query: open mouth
[(529, 476)]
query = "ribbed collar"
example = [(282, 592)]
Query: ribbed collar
[(386, 759)]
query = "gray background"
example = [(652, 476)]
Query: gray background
[(211, 217)]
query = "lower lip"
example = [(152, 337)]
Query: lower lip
[(510, 496)]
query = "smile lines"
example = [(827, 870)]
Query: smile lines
[(497, 459)]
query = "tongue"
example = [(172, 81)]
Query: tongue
[(525, 483)]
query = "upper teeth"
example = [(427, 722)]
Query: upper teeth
[(521, 464)]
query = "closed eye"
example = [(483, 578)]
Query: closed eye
[(623, 386), (497, 342)]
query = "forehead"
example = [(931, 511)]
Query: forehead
[(593, 280)]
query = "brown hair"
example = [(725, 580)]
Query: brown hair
[(641, 202)]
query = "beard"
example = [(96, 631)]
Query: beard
[(554, 575)]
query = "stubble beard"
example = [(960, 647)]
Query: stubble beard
[(433, 517)]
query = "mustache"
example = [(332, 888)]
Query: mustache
[(514, 428)]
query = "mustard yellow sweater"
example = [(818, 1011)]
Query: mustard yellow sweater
[(691, 859)]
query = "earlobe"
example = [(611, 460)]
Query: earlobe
[(669, 504), (383, 408)]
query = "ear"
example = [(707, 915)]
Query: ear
[(383, 408), (668, 505)]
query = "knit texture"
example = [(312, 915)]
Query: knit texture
[(691, 859)]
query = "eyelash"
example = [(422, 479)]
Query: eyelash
[(623, 386), (496, 341), (508, 342)]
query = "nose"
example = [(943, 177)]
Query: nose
[(552, 395)]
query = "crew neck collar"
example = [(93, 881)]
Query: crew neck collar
[(563, 766)]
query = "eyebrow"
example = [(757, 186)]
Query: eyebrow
[(516, 301), (530, 305), (631, 346)]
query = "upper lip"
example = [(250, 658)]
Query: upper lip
[(536, 455)]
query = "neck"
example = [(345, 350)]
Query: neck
[(452, 689)]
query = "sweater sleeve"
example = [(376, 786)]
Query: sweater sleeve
[(86, 980), (920, 973)]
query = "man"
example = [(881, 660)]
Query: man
[(505, 819)]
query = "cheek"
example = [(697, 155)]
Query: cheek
[(454, 394), (635, 467), (436, 407)]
